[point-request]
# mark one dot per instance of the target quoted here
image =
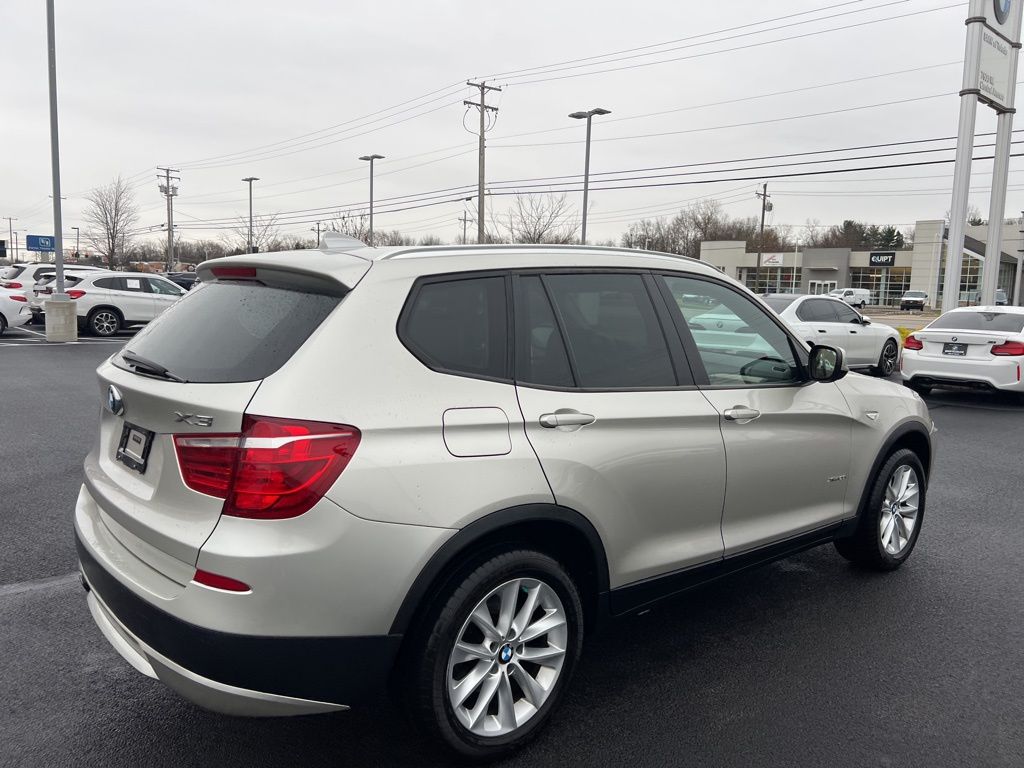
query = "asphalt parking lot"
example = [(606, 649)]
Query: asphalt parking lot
[(808, 662)]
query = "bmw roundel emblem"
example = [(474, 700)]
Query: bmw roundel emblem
[(954, 338), (505, 654), (1002, 9), (115, 403)]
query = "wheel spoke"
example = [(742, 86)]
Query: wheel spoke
[(483, 701), (526, 612), (534, 691), (471, 652), (549, 621), (904, 480), (481, 617), (888, 527), (461, 689), (509, 594), (540, 655), (506, 703)]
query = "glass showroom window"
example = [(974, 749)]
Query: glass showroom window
[(970, 279), (771, 279), (886, 285)]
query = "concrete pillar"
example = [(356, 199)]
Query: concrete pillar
[(61, 320)]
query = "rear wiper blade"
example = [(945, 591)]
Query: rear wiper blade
[(144, 365)]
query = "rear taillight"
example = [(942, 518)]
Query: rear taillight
[(1009, 349), (19, 298), (275, 469), (10, 284), (912, 342), (76, 294)]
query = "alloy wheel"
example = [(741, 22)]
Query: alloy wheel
[(890, 353), (508, 657), (105, 323), (899, 509)]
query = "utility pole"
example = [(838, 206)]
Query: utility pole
[(10, 233), (170, 191), (484, 109), (250, 179), (465, 220), (317, 230), (765, 207)]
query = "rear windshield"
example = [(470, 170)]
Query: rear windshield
[(981, 321), (9, 273), (779, 303), (230, 332)]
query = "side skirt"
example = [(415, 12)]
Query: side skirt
[(641, 594)]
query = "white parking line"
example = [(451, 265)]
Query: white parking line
[(7, 590), (23, 329)]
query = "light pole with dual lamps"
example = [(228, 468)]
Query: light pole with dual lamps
[(371, 158), (588, 116)]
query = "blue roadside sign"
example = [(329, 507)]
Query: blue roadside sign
[(39, 242)]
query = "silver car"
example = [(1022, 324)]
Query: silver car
[(434, 470)]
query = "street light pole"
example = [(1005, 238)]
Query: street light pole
[(589, 115), (371, 158), (78, 238), (250, 179)]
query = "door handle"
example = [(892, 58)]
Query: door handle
[(740, 414), (565, 419), (822, 330)]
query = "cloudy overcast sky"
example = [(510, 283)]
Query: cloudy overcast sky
[(295, 92)]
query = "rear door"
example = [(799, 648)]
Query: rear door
[(216, 352), (860, 344), (787, 440), (132, 297), (621, 432)]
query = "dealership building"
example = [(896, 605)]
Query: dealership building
[(887, 274)]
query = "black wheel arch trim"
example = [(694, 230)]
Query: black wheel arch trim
[(463, 541)]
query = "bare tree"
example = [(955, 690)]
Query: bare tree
[(110, 217), (266, 235), (355, 225), (540, 219)]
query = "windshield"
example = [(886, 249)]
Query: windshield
[(914, 295), (981, 321), (779, 303), (230, 332)]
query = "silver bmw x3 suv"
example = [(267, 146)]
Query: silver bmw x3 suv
[(327, 474)]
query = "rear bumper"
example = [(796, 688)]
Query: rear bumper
[(1002, 373), (232, 673)]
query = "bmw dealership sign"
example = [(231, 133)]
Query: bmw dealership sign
[(1000, 33)]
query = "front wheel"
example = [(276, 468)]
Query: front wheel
[(888, 358), (496, 655), (890, 522)]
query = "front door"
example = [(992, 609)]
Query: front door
[(163, 293), (787, 439), (622, 434)]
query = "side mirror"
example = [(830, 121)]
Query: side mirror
[(865, 320), (827, 363)]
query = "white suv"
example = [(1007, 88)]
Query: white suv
[(106, 302), (439, 468)]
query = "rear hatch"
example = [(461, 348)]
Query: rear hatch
[(190, 375), (969, 335)]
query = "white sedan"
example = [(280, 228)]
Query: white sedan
[(970, 347), (826, 320), (14, 310)]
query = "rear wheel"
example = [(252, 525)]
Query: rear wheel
[(890, 522), (888, 358), (496, 654), (104, 322), (3, 325)]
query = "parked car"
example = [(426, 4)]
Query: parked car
[(23, 277), (855, 297), (14, 311), (106, 302), (823, 319), (970, 347), (914, 300), (182, 279), (45, 287), (327, 473), (974, 298)]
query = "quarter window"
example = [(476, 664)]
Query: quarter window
[(816, 311), (460, 326), (612, 331), (845, 314), (736, 340)]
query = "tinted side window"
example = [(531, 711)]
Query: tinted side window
[(845, 314), (612, 331), (540, 351), (110, 283), (460, 326), (816, 311), (156, 285), (749, 350)]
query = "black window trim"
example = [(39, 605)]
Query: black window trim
[(797, 348), (402, 325)]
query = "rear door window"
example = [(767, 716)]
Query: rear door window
[(108, 283), (231, 332), (459, 325), (816, 311), (540, 351), (845, 314)]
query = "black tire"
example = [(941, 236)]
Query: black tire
[(921, 389), (3, 325), (426, 695), (104, 321), (867, 546), (888, 358)]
